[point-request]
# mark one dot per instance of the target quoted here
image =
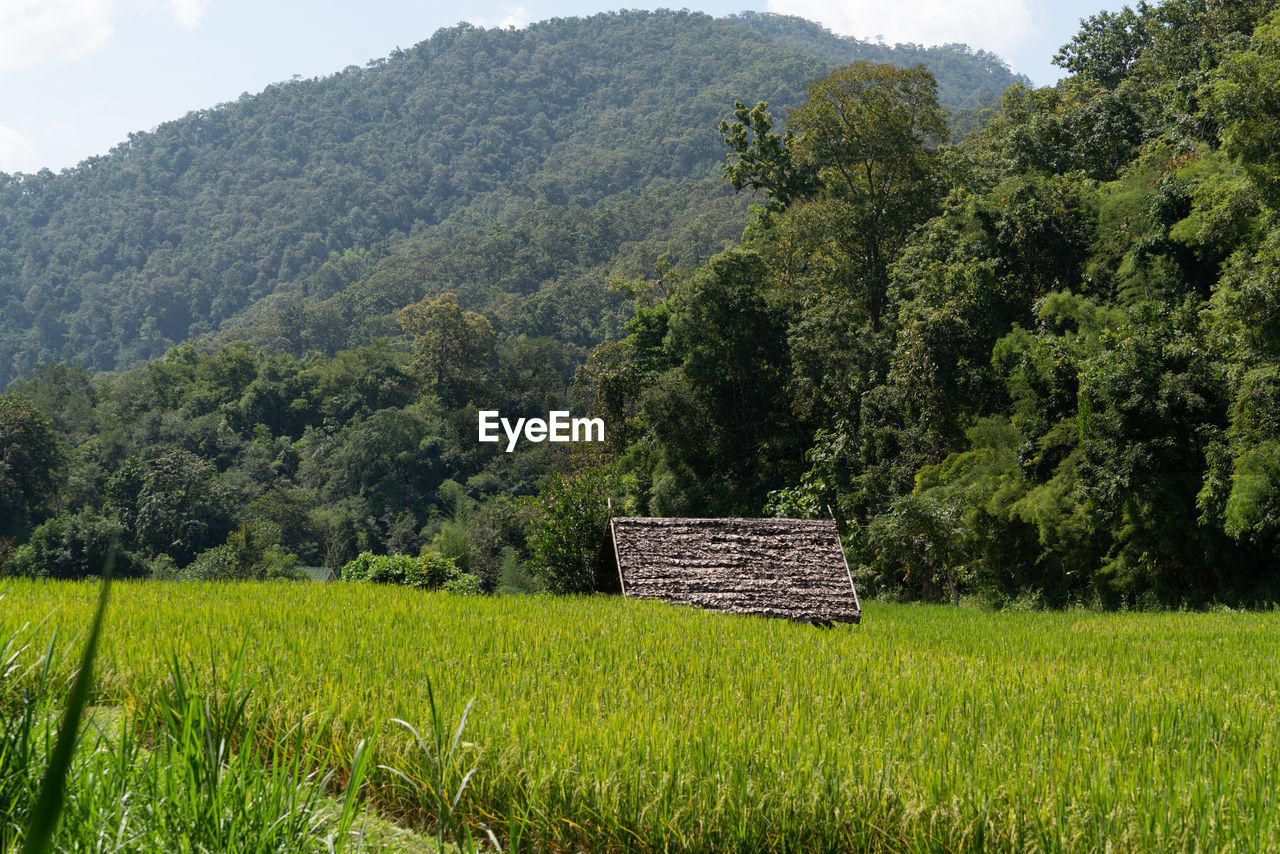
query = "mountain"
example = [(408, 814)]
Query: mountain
[(244, 219)]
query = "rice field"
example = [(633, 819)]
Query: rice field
[(606, 724)]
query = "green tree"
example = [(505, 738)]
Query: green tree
[(567, 535), (30, 461), (1152, 403), (391, 461), (293, 511), (870, 132), (1107, 45), (171, 504), (729, 341), (246, 555), (922, 539), (1252, 511), (764, 160), (454, 348), (1246, 93), (75, 545), (855, 171)]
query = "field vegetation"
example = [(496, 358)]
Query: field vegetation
[(609, 724)]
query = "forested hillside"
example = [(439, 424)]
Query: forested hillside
[(1040, 364), (298, 192), (331, 244)]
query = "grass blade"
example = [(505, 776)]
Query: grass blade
[(44, 820)]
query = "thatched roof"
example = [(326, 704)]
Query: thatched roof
[(793, 568)]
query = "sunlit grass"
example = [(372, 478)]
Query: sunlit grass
[(183, 770), (608, 723)]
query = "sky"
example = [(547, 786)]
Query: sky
[(78, 76)]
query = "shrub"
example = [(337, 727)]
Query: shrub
[(163, 568), (513, 577), (244, 556), (435, 570), (215, 564), (382, 569), (566, 540), (427, 571), (279, 564), (74, 545), (465, 584)]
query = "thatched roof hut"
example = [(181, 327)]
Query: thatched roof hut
[(793, 568)]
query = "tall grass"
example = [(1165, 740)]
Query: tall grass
[(184, 770), (618, 725), (51, 795)]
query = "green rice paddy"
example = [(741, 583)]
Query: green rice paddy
[(608, 724)]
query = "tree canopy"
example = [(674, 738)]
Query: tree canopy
[(247, 218)]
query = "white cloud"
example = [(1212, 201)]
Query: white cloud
[(38, 32), (17, 154), (997, 25), (512, 16), (189, 12), (515, 16), (33, 32)]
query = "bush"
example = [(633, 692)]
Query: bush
[(427, 571), (567, 536), (21, 563), (435, 570), (382, 569), (465, 584), (244, 556), (74, 545), (513, 577), (280, 565), (215, 564), (163, 568)]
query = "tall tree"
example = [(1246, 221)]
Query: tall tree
[(1247, 98), (454, 348), (855, 171), (1107, 45), (870, 132), (29, 461), (720, 417)]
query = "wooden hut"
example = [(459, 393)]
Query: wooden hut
[(792, 568)]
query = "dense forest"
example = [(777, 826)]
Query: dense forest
[(1038, 365), (525, 175), (1037, 362), (247, 217)]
